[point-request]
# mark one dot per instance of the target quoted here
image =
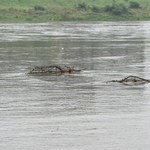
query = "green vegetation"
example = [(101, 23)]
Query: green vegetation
[(134, 5), (116, 9), (62, 10)]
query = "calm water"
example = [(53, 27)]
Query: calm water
[(75, 111)]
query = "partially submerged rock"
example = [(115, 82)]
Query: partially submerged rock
[(54, 69), (132, 79)]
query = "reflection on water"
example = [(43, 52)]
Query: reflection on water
[(74, 111)]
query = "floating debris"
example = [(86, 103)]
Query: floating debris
[(132, 79), (54, 69)]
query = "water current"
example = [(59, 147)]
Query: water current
[(74, 111)]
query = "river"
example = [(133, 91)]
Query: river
[(74, 111)]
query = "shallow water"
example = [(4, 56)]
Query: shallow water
[(74, 111)]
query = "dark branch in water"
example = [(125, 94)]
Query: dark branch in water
[(54, 69), (131, 79)]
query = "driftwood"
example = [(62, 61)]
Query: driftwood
[(54, 69), (132, 79)]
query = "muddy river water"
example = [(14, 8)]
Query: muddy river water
[(74, 111)]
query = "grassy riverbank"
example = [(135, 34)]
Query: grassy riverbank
[(69, 10)]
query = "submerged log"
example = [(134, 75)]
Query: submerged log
[(54, 69), (132, 79)]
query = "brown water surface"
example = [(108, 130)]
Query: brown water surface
[(74, 111)]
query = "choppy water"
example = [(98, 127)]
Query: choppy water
[(75, 111)]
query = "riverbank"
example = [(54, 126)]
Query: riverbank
[(19, 11)]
